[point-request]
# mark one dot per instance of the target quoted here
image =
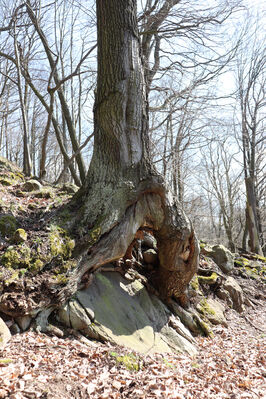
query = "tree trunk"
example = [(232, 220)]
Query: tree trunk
[(252, 220), (122, 193), (27, 165)]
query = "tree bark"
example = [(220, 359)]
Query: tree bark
[(252, 220)]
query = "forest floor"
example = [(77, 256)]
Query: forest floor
[(230, 365)]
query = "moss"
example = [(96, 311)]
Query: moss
[(60, 242), (95, 233), (130, 361), (6, 361), (61, 279), (36, 266), (8, 225), (204, 308), (17, 257), (194, 283), (19, 236), (5, 181), (14, 276), (203, 326), (65, 266), (241, 261), (9, 178), (261, 258), (208, 279), (253, 272)]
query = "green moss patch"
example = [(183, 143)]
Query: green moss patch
[(60, 242), (208, 279), (19, 236), (16, 257), (204, 308), (6, 361), (130, 361)]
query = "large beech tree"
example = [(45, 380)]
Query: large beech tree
[(122, 193)]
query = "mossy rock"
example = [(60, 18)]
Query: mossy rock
[(212, 310), (69, 188), (32, 185), (241, 261), (8, 225), (210, 280), (20, 236), (194, 284), (5, 181), (261, 258), (44, 193)]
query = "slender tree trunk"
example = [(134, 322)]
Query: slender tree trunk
[(252, 220), (27, 165)]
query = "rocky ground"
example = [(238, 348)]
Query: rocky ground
[(229, 364)]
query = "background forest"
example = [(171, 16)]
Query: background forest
[(205, 72)]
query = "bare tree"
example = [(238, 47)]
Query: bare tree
[(223, 182), (251, 83)]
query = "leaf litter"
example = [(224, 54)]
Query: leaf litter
[(230, 365)]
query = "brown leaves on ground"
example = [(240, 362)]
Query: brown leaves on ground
[(228, 366)]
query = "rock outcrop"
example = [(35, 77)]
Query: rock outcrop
[(123, 312), (221, 256)]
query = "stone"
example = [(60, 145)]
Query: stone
[(5, 334), (124, 313), (69, 188), (32, 185), (14, 329), (74, 316), (150, 256), (149, 241), (24, 322), (20, 236), (225, 296), (8, 225), (221, 256), (236, 294), (216, 312)]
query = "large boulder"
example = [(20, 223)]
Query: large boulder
[(123, 312), (5, 334), (236, 294), (221, 256), (32, 185), (213, 310)]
